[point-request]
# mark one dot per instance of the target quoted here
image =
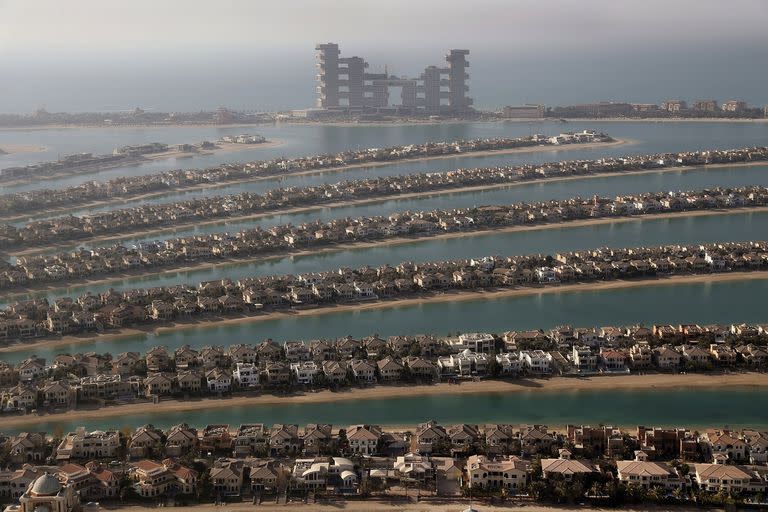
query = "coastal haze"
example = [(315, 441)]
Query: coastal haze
[(517, 217), (255, 57)]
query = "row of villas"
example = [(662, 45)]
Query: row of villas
[(113, 309), (70, 164), (255, 459), (87, 162), (70, 379), (101, 261), (184, 178), (164, 214), (237, 205), (100, 481)]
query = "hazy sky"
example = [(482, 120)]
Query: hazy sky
[(108, 25), (256, 55)]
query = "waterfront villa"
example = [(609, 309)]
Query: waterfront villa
[(648, 474), (566, 467), (507, 473)]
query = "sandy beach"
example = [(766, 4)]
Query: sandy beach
[(527, 120), (400, 505), (658, 120), (362, 245), (221, 147), (277, 177), (9, 149), (758, 381), (434, 298), (127, 126)]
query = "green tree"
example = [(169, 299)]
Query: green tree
[(538, 490), (536, 472), (205, 485), (320, 380), (494, 368), (5, 455), (655, 494)]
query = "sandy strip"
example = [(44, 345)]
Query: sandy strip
[(277, 177), (526, 120), (9, 149), (231, 147), (453, 504), (758, 381), (139, 160), (84, 126), (362, 245), (653, 120), (414, 300), (221, 147)]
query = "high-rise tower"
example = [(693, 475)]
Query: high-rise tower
[(345, 84), (328, 75), (457, 80)]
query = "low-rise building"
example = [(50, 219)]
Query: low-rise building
[(364, 439), (246, 375), (509, 473), (648, 474), (723, 477), (89, 445), (583, 358), (181, 439), (305, 371), (566, 467), (227, 478), (536, 362)]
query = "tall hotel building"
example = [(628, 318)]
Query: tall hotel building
[(345, 85)]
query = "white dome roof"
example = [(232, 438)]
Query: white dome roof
[(46, 485)]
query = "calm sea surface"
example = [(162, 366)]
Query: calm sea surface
[(698, 408), (722, 302)]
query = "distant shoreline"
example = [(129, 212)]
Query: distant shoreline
[(375, 243), (660, 381), (392, 122), (415, 300), (661, 119), (398, 503)]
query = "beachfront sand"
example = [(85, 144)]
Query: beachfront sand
[(659, 120), (229, 147), (371, 505), (140, 160), (275, 177), (448, 296), (10, 149), (553, 384), (360, 245), (221, 147), (526, 120)]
